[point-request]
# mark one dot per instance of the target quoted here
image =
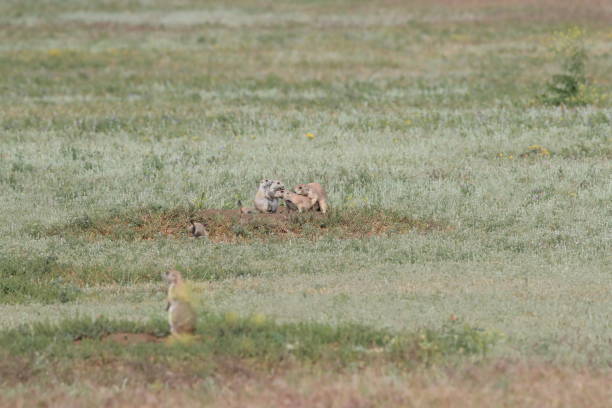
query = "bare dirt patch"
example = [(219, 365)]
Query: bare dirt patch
[(125, 338), (131, 338), (229, 226)]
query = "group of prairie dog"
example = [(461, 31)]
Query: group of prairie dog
[(304, 197)]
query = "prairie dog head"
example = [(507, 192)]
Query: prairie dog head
[(265, 183), (282, 193), (301, 189), (276, 185), (192, 227), (173, 277)]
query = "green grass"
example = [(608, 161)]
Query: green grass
[(255, 337), (37, 279), (120, 121)]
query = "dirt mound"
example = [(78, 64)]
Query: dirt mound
[(131, 338), (230, 226)]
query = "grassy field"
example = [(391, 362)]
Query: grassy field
[(467, 257)]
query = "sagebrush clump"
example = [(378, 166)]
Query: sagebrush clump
[(571, 87)]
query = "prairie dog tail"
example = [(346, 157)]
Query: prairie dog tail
[(246, 210)]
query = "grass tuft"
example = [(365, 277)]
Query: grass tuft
[(35, 279)]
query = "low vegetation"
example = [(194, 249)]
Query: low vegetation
[(465, 149), (254, 337), (35, 279), (571, 87)]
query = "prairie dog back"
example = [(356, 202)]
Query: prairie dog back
[(197, 229), (294, 201), (315, 192)]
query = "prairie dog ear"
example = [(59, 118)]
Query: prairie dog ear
[(167, 276)]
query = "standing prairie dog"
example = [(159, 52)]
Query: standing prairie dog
[(294, 201), (181, 315), (265, 200), (315, 192), (197, 229)]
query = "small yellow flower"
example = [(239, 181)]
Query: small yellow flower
[(310, 135), (156, 386), (511, 157), (231, 317), (258, 319), (408, 122), (54, 52), (539, 150)]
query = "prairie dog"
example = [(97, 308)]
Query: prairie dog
[(265, 201), (246, 210), (294, 201), (315, 192), (181, 316), (197, 229)]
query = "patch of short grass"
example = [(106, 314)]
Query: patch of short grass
[(34, 279), (253, 337)]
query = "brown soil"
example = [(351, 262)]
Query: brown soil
[(131, 338), (152, 384), (230, 226), (218, 222)]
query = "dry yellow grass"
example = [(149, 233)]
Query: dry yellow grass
[(494, 384)]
